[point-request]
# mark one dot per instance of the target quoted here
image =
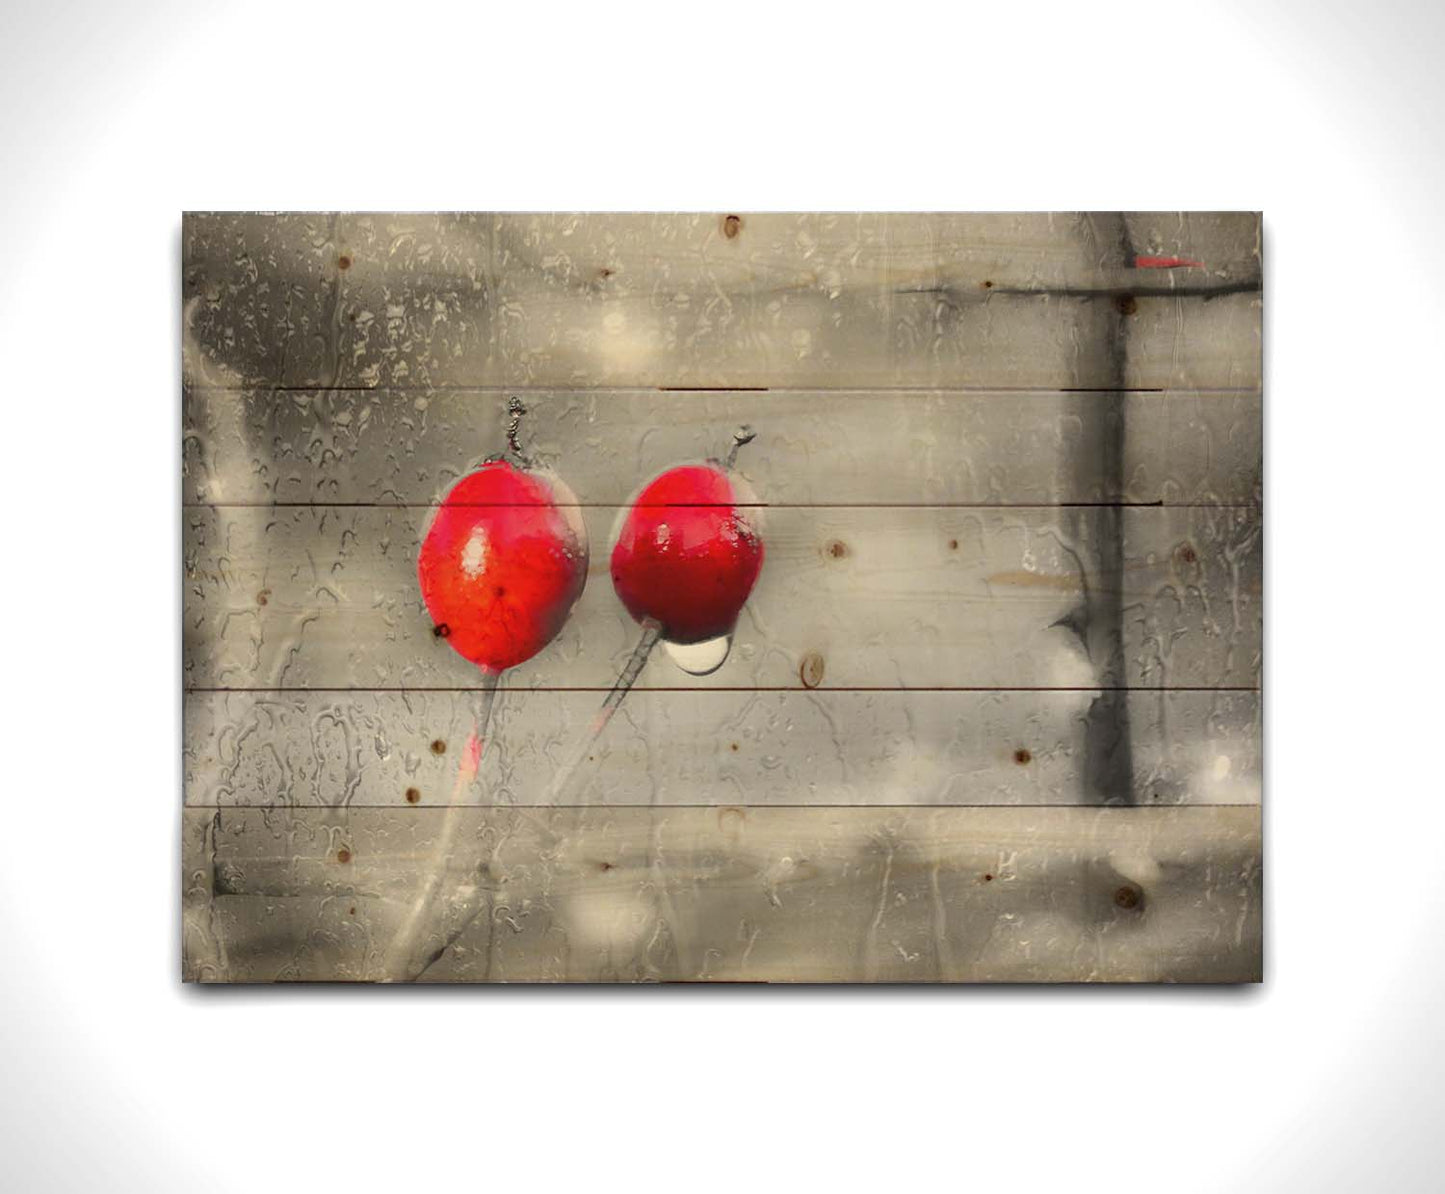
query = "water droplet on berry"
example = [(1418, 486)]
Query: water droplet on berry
[(699, 659)]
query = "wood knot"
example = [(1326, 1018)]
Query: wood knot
[(835, 548), (1023, 756), (343, 855), (986, 284), (1126, 304), (438, 747), (810, 671), (263, 596), (1128, 897), (412, 795), (343, 262), (731, 226), (441, 630)]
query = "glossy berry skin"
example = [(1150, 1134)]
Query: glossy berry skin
[(687, 555), (502, 564)]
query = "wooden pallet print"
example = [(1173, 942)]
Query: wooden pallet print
[(992, 712)]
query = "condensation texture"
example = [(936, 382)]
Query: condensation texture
[(908, 597), (992, 712), (339, 750), (668, 300), (816, 447), (729, 893)]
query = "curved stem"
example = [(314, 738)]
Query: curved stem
[(573, 776), (398, 964)]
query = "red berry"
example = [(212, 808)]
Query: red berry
[(502, 564), (687, 555)]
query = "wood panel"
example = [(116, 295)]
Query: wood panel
[(917, 597), (1032, 301), (731, 894), (991, 714), (813, 447), (710, 747)]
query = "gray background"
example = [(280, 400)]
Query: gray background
[(1327, 117)]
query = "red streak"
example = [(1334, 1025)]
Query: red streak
[(472, 755), (1165, 263)]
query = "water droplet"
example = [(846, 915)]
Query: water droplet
[(700, 659)]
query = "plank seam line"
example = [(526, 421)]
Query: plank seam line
[(1157, 505), (973, 296), (205, 688), (832, 391), (602, 806), (1205, 292)]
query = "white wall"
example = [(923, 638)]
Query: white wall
[(115, 118)]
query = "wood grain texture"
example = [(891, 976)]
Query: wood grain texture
[(397, 446), (710, 747), (992, 712), (1033, 301), (732, 894), (915, 597)]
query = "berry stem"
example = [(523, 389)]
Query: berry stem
[(572, 778), (399, 966), (743, 435), (516, 409), (651, 633)]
